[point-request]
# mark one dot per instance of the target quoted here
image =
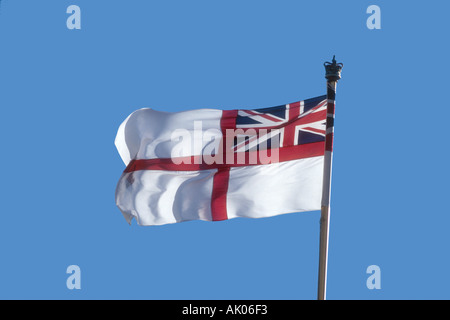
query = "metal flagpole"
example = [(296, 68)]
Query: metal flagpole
[(333, 74)]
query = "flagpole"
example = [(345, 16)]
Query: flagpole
[(333, 74)]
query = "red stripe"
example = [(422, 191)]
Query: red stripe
[(228, 120), (315, 130), (266, 116), (219, 195), (312, 117), (294, 110), (289, 130), (222, 176), (296, 152)]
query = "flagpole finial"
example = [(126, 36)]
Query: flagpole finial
[(333, 70)]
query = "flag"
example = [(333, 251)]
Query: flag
[(213, 165)]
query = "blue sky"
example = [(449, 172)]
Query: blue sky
[(65, 92)]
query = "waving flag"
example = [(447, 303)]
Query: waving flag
[(215, 165)]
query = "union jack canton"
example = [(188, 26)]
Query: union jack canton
[(293, 124)]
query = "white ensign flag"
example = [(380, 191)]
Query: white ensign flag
[(215, 165)]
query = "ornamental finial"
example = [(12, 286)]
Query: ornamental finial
[(333, 70)]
